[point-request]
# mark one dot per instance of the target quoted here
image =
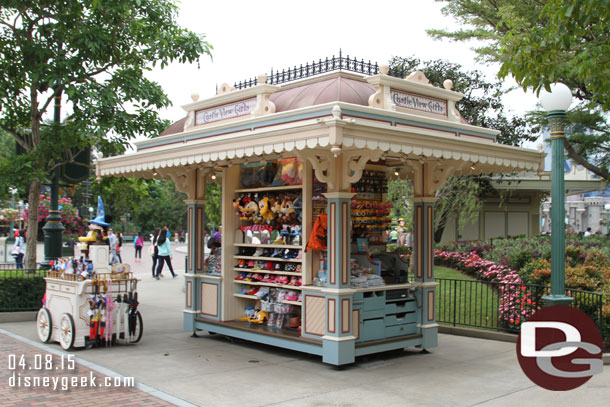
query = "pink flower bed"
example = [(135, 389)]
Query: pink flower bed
[(516, 303)]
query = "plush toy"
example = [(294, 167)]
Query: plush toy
[(249, 211), (287, 210), (91, 237), (237, 205), (276, 208), (264, 210), (297, 204)]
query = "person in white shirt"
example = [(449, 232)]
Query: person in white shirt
[(19, 248), (588, 232), (113, 241)]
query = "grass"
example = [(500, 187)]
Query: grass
[(445, 272), (463, 302)]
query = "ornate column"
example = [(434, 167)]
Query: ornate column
[(428, 176), (192, 181), (339, 238), (423, 258), (328, 313)]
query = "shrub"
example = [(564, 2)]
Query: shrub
[(21, 294), (580, 278), (596, 257), (527, 272)]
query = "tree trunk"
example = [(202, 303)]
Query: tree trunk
[(440, 225), (32, 228)]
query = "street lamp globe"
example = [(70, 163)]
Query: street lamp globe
[(558, 99), (607, 207)]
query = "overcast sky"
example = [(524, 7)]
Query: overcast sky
[(251, 37)]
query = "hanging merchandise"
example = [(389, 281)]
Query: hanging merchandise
[(110, 306), (127, 303), (133, 311), (120, 318), (319, 234)]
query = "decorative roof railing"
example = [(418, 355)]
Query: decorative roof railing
[(339, 63)]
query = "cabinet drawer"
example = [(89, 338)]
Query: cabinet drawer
[(53, 286), (400, 306), (376, 313), (372, 329), (358, 297), (400, 319), (397, 294), (400, 330), (68, 289), (373, 301)]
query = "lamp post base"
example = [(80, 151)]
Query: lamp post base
[(550, 300), (53, 232)]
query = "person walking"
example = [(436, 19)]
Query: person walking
[(138, 242), (154, 252), (113, 242), (119, 245), (402, 232), (19, 248), (164, 253)]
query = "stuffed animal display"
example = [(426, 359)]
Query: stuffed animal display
[(270, 218)]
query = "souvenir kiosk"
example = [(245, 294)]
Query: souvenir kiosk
[(288, 150)]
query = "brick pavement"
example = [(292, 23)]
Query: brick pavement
[(65, 395)]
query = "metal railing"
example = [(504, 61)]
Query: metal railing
[(502, 306), (334, 63)]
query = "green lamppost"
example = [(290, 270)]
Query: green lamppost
[(556, 102), (53, 229)]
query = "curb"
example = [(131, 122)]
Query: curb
[(22, 316), (477, 333), (491, 335)]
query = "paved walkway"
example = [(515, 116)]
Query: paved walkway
[(77, 386), (218, 371)]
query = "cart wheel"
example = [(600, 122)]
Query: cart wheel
[(44, 325), (66, 331), (139, 327)]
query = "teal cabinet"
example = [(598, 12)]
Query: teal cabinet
[(386, 314)]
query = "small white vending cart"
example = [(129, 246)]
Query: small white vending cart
[(81, 312)]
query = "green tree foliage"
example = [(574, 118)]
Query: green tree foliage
[(460, 197), (213, 209), (541, 42), (121, 196), (96, 54), (163, 206), (400, 194)]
